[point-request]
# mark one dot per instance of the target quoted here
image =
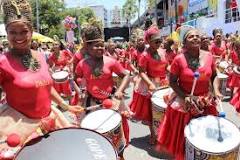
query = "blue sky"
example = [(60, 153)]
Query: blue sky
[(109, 4)]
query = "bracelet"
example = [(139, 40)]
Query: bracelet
[(64, 106)]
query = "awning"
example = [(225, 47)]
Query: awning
[(2, 30), (41, 38)]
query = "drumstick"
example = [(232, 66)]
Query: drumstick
[(221, 113), (107, 103), (196, 76), (220, 138)]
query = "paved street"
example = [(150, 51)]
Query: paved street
[(139, 148)]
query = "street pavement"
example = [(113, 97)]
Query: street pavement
[(140, 149)]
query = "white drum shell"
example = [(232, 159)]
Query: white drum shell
[(60, 76), (102, 121)]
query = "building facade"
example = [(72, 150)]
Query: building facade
[(116, 18), (101, 13)]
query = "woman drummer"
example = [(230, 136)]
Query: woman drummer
[(234, 82), (152, 67), (26, 81), (218, 47), (97, 69), (61, 60), (181, 109)]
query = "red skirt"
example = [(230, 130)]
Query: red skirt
[(125, 129), (141, 106), (233, 81), (235, 101), (171, 130), (63, 88)]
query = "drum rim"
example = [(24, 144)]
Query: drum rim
[(109, 130), (214, 152), (42, 136), (169, 88), (210, 153), (236, 70), (62, 80)]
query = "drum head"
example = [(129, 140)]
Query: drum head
[(60, 75), (114, 75), (68, 144), (205, 133), (102, 121), (223, 64), (158, 97), (222, 76)]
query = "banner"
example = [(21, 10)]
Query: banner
[(213, 4), (197, 5)]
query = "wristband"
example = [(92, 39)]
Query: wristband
[(64, 106)]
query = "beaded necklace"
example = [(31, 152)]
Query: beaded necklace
[(28, 61)]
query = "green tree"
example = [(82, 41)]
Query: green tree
[(51, 14), (151, 3), (129, 10)]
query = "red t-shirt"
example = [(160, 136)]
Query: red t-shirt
[(185, 75), (154, 68), (218, 51), (104, 82), (170, 56), (60, 61), (26, 91), (79, 56)]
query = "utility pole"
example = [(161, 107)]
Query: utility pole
[(156, 14), (176, 11), (139, 1), (37, 15)]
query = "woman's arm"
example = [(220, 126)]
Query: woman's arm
[(123, 85), (60, 101), (174, 84), (146, 79)]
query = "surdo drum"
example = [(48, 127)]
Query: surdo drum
[(211, 138), (60, 76), (69, 144), (109, 123), (158, 107)]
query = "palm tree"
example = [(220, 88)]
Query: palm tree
[(129, 11)]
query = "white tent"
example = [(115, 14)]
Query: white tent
[(2, 30)]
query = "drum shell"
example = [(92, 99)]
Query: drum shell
[(158, 110), (115, 135), (193, 153), (157, 116)]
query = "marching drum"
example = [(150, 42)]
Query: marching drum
[(116, 79), (60, 76), (210, 138), (68, 144), (222, 66), (158, 107), (109, 123), (223, 83)]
